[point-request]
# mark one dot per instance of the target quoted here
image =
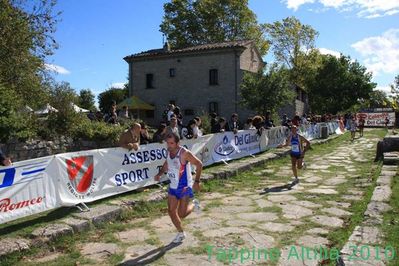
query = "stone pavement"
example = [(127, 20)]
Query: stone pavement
[(241, 223), (284, 221)]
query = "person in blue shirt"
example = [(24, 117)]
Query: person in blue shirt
[(299, 145)]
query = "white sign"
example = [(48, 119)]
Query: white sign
[(377, 119), (34, 186)]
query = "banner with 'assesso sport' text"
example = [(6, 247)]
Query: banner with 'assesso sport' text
[(34, 186)]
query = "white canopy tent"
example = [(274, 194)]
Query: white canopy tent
[(46, 110), (79, 109)]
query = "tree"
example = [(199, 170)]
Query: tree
[(106, 98), (339, 84), (14, 124), (194, 22), (267, 90), (292, 42), (26, 30), (395, 93), (86, 99)]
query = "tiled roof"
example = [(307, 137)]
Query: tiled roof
[(197, 48)]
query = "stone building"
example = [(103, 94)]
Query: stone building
[(199, 79)]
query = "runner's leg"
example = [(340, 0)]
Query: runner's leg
[(299, 163), (172, 210), (293, 164), (185, 207)]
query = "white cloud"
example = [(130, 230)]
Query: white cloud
[(386, 89), (330, 52), (295, 4), (57, 69), (380, 53), (118, 85), (364, 8)]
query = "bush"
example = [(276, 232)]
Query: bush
[(95, 131), (14, 124)]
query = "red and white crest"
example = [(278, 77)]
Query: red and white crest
[(80, 172)]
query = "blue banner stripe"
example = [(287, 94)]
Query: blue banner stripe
[(34, 171)]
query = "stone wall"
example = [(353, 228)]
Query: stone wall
[(19, 151)]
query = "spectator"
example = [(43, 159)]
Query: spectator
[(130, 139), (296, 121), (304, 119), (269, 123), (173, 127), (189, 132), (197, 130), (160, 134), (234, 124), (284, 120), (124, 113), (4, 161), (144, 136), (91, 116), (386, 122), (258, 123), (214, 122), (249, 125), (179, 116), (222, 125), (362, 122), (170, 112), (99, 116), (113, 119)]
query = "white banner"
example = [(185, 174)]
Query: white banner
[(377, 119), (228, 146), (26, 189), (42, 184)]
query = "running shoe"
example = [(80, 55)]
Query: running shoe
[(304, 166), (179, 237), (296, 181)]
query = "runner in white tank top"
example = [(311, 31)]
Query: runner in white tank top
[(177, 166)]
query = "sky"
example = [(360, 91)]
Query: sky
[(95, 35)]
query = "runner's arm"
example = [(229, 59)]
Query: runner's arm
[(287, 141), (195, 161), (163, 169)]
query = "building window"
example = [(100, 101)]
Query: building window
[(149, 81), (172, 72), (213, 107), (188, 112), (213, 77), (149, 114)]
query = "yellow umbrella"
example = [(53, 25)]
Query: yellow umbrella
[(135, 103)]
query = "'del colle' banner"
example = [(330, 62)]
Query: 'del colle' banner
[(377, 119), (34, 186)]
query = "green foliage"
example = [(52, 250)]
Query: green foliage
[(266, 90), (96, 131), (106, 98), (193, 22), (339, 84), (86, 99), (26, 39), (13, 122), (292, 42)]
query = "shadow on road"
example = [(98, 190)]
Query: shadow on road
[(151, 256), (282, 188)]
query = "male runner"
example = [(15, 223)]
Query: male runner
[(177, 166), (297, 151)]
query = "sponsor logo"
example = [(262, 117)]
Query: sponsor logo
[(21, 174), (7, 205), (224, 147), (80, 173)]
